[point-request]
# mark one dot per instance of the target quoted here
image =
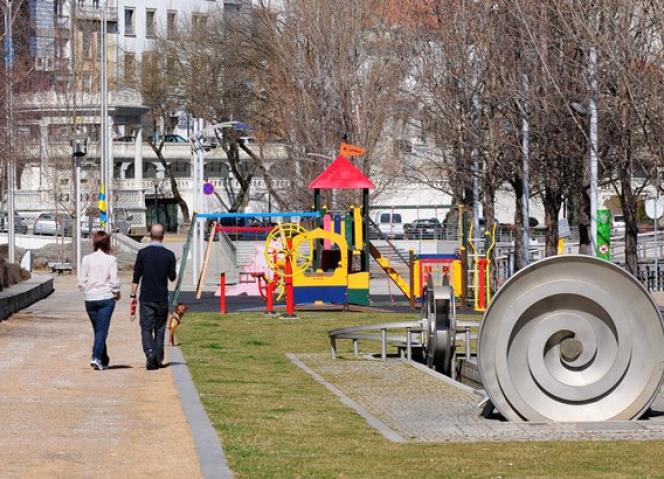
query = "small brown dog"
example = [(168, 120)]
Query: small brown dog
[(174, 320)]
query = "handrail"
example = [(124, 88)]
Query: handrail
[(356, 333), (382, 236)]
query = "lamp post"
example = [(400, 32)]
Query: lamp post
[(155, 183), (79, 148), (11, 165)]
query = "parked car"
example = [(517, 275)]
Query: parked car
[(52, 224), (170, 138), (122, 221), (89, 223), (618, 225), (20, 226), (422, 228), (126, 139), (390, 224)]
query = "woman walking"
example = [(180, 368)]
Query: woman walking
[(98, 280)]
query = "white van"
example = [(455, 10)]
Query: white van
[(617, 225), (390, 224)]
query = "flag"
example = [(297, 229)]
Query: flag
[(349, 151), (102, 205)]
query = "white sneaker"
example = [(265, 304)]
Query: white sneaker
[(96, 364)]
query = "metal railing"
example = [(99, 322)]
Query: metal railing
[(378, 332)]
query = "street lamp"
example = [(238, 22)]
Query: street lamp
[(79, 148), (155, 183)]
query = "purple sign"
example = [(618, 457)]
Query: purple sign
[(208, 188)]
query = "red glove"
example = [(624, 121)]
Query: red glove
[(132, 309)]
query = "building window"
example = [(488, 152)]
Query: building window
[(215, 169), (87, 82), (171, 23), (181, 169), (86, 46), (150, 27), (198, 21), (129, 68), (129, 22)]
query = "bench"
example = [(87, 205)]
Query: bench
[(60, 268)]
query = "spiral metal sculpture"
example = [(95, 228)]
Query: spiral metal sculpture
[(438, 327), (572, 338)]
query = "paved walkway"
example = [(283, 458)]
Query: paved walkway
[(61, 419), (408, 402)]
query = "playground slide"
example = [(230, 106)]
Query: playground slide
[(393, 274)]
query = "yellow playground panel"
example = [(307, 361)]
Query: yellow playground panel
[(442, 268)]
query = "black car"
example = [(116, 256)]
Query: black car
[(423, 228)]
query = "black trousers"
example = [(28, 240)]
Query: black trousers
[(153, 327)]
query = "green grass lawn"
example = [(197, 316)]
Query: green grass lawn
[(276, 421)]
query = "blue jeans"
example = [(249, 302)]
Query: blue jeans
[(100, 313)]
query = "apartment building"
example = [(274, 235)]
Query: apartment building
[(65, 44)]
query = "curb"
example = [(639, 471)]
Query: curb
[(208, 447)]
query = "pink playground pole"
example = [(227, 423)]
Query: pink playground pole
[(327, 226)]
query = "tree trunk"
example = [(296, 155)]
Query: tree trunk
[(629, 209), (489, 207), (520, 249), (182, 204), (627, 197), (552, 203), (583, 215)]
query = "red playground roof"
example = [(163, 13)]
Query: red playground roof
[(341, 174)]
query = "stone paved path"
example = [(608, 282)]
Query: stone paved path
[(61, 419), (421, 405)]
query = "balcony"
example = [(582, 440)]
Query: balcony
[(185, 185), (34, 201), (91, 12), (62, 22)]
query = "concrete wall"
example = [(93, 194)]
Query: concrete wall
[(22, 295)]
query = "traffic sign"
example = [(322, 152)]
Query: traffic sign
[(654, 208), (208, 188)]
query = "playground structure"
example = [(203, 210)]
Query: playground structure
[(568, 338), (481, 268), (338, 251)]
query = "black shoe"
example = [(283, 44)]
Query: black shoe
[(151, 361), (105, 361)]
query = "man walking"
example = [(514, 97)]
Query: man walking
[(154, 266)]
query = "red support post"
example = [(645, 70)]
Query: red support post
[(288, 277), (222, 293), (481, 293), (269, 298)]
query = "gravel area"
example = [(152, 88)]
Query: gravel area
[(64, 420)]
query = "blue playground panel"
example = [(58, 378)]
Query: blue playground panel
[(328, 294)]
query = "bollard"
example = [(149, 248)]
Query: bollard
[(467, 343), (383, 344), (222, 293), (409, 346)]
